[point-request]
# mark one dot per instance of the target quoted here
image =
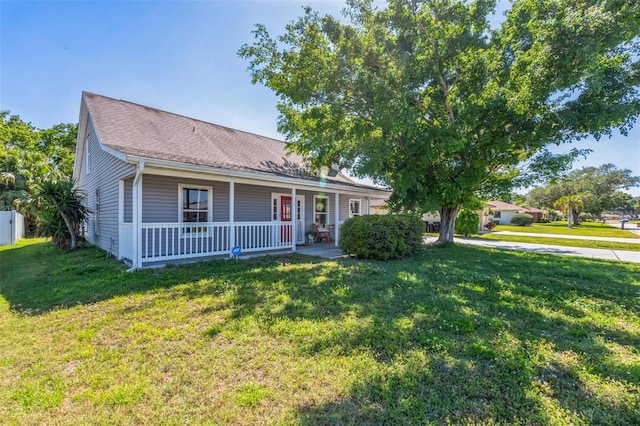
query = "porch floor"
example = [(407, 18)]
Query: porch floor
[(325, 250)]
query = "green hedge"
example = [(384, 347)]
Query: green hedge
[(467, 222), (522, 219), (381, 237)]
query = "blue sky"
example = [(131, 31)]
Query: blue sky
[(178, 56)]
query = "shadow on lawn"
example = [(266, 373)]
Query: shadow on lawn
[(463, 335), (458, 334)]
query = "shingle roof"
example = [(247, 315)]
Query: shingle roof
[(502, 206), (141, 131)]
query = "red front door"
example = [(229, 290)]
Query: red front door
[(286, 215)]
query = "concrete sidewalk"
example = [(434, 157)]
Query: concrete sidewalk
[(619, 255), (569, 237)]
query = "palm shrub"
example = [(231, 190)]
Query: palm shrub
[(63, 212), (467, 222), (381, 237), (522, 219)]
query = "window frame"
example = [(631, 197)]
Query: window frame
[(87, 153), (181, 210), (325, 212), (96, 222), (359, 202)]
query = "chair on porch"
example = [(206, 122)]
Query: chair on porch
[(321, 233)]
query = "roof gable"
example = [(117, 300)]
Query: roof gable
[(140, 131)]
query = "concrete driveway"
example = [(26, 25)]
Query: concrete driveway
[(620, 255)]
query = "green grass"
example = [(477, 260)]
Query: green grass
[(567, 242), (459, 334), (587, 229)]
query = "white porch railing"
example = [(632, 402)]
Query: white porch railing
[(172, 241)]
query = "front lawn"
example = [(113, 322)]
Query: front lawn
[(587, 229), (461, 335)]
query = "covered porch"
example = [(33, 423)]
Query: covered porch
[(218, 217)]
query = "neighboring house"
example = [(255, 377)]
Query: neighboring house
[(502, 212), (164, 187), (536, 213)]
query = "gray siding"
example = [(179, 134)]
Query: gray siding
[(104, 176), (253, 203), (160, 198), (344, 206), (128, 200)]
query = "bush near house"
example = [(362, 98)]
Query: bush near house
[(490, 225), (522, 219), (467, 222), (381, 237)]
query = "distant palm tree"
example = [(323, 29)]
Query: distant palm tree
[(568, 205)]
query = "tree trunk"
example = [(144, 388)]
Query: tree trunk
[(447, 223), (70, 228), (570, 217)]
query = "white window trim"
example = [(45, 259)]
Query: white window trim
[(209, 190), (359, 201), (96, 222), (87, 153), (327, 209)]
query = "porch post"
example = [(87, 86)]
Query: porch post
[(337, 219), (137, 220), (294, 214), (232, 214), (368, 199)]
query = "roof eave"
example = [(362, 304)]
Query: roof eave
[(266, 177)]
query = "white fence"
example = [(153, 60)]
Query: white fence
[(171, 241), (11, 227)]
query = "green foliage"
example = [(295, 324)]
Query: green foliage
[(29, 156), (570, 205), (458, 335), (423, 96), (522, 219), (467, 222), (585, 217), (381, 237), (598, 188), (63, 212)]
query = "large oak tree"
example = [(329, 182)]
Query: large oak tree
[(425, 97)]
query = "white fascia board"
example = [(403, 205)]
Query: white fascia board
[(80, 140), (169, 168)]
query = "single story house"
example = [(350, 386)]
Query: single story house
[(536, 213), (501, 212), (163, 187)]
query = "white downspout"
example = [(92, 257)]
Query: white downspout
[(232, 215), (137, 216)]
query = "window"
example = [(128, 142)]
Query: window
[(354, 208), (195, 205), (87, 152), (496, 215), (321, 209), (96, 228)]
